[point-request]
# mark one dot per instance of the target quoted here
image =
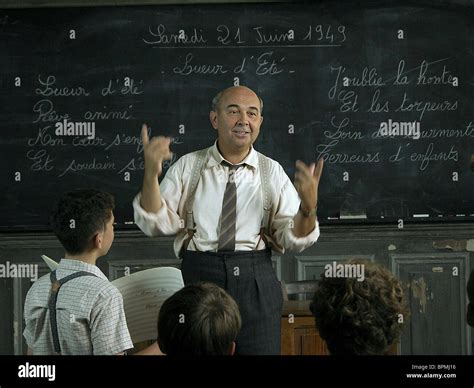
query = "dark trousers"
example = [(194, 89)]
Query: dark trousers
[(251, 280)]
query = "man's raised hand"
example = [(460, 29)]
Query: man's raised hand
[(155, 151), (307, 183)]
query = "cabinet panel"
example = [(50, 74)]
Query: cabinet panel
[(435, 290), (311, 267), (300, 337)]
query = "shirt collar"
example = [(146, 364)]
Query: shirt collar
[(216, 157), (77, 265)]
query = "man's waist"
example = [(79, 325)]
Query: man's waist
[(226, 256)]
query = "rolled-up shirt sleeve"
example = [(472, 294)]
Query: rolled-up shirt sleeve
[(167, 220), (282, 225)]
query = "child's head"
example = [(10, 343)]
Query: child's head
[(359, 317), (200, 319), (83, 220)]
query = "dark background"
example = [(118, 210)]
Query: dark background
[(110, 45)]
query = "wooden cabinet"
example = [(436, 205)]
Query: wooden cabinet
[(298, 331), (301, 338), (435, 290)]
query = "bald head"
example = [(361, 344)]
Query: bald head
[(218, 97)]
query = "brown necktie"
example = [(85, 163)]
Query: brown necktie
[(228, 216)]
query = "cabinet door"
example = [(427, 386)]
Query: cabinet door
[(300, 337), (435, 290)]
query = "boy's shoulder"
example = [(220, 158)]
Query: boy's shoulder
[(91, 285)]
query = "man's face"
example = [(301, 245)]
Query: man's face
[(237, 119)]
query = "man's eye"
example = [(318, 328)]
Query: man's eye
[(252, 114), (233, 112)]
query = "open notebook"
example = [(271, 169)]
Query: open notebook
[(143, 294)]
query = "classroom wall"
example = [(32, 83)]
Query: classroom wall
[(423, 257)]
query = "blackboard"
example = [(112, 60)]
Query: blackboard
[(328, 75)]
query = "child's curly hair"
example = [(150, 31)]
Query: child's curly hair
[(359, 317)]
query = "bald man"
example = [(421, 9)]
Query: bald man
[(229, 206)]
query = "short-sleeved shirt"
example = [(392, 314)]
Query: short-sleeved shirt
[(90, 314)]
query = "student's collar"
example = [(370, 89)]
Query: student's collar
[(216, 158), (78, 265)]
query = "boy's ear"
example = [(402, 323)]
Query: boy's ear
[(98, 240)]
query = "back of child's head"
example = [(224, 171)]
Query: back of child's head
[(78, 215), (359, 317), (200, 319)]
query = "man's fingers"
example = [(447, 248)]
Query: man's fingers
[(300, 164), (303, 169), (145, 138), (160, 141), (319, 169), (160, 145), (168, 157), (297, 185)]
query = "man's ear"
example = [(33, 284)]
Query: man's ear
[(213, 118), (232, 349), (261, 120)]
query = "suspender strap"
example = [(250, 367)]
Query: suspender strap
[(199, 164), (264, 167), (263, 164), (53, 298)]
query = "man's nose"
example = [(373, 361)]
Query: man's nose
[(243, 119)]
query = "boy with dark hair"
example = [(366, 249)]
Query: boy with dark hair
[(200, 319), (75, 310), (357, 316)]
